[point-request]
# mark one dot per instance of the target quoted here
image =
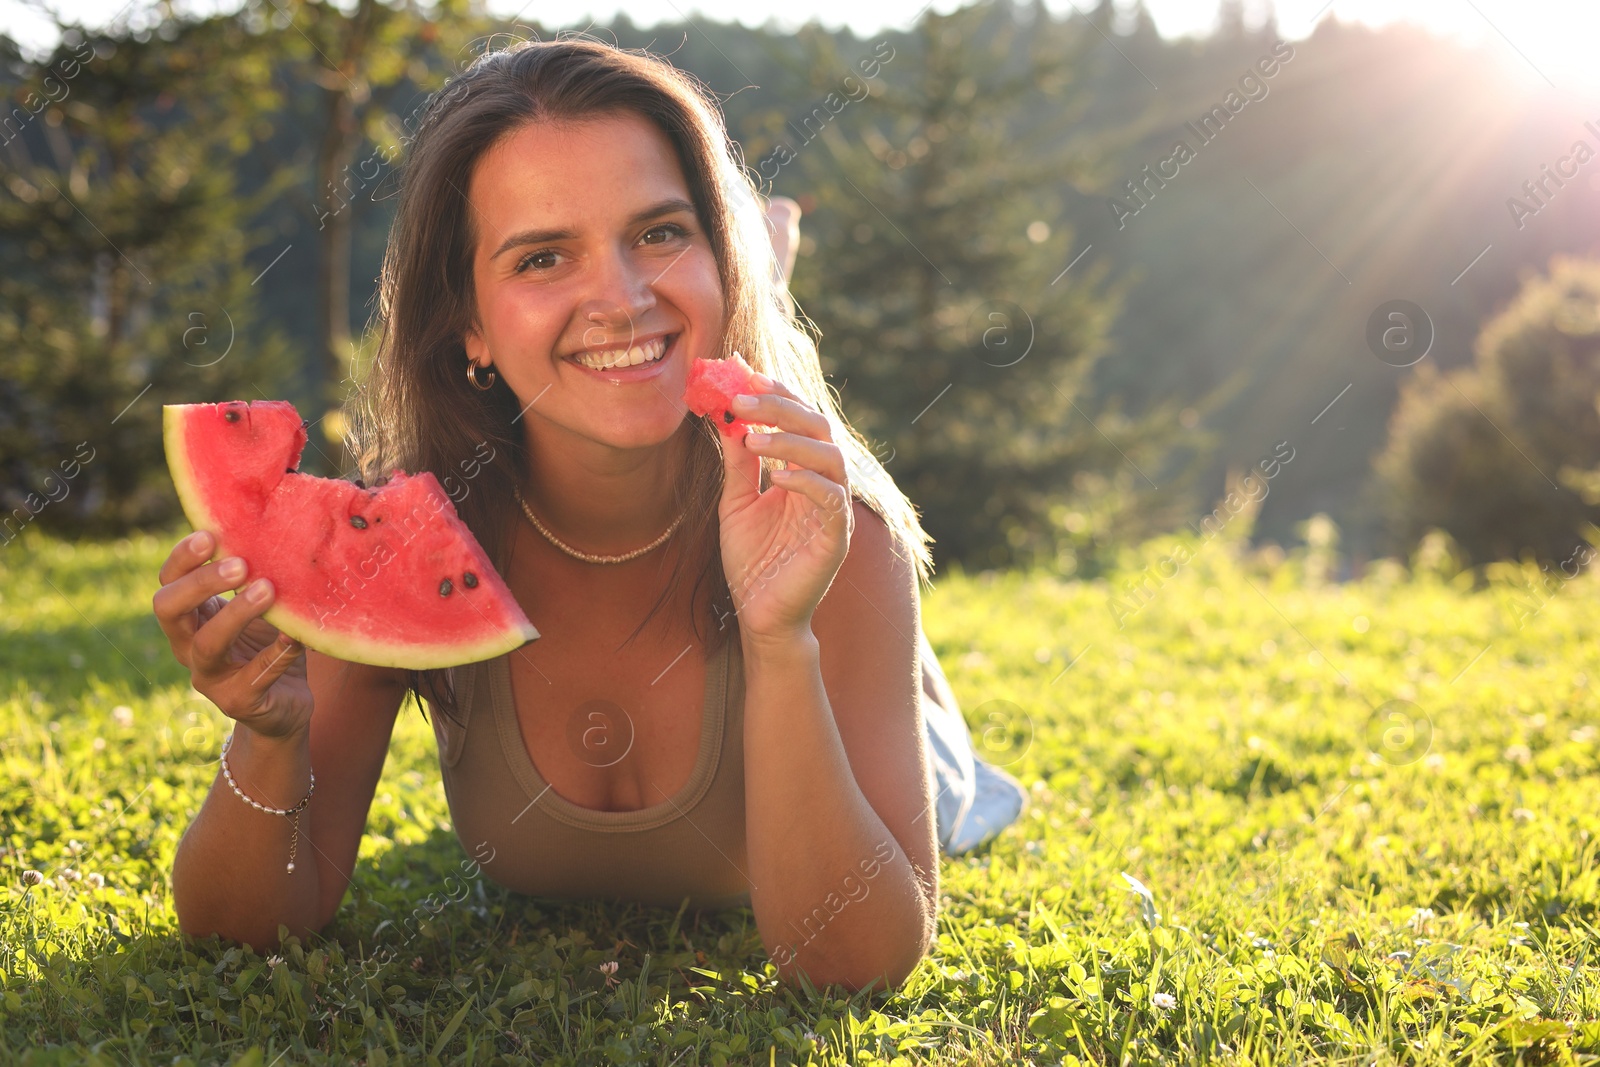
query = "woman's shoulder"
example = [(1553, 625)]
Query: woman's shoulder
[(877, 569), (874, 543)]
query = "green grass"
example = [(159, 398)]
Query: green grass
[(1322, 887)]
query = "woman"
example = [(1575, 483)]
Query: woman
[(724, 702)]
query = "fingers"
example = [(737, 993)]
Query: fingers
[(828, 495), (211, 654), (804, 437), (186, 555), (783, 409), (269, 664), (821, 456), (177, 602), (741, 473), (178, 598)]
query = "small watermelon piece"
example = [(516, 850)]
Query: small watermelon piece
[(387, 576), (713, 383)]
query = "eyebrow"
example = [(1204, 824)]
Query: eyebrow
[(670, 206)]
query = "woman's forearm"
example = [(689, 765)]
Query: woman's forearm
[(229, 876), (834, 894)]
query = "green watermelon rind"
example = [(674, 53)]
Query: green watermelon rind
[(305, 628)]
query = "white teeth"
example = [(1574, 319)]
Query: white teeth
[(612, 359)]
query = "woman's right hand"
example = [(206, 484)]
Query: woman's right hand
[(243, 664)]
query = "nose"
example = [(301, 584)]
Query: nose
[(622, 295)]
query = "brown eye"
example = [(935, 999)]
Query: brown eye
[(545, 260), (665, 232)]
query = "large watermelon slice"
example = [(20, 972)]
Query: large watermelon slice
[(388, 576)]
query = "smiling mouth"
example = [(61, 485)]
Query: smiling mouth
[(617, 358)]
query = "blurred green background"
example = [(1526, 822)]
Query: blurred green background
[(1055, 350)]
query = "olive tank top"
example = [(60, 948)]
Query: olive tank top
[(529, 839)]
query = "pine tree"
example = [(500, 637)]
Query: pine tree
[(123, 281), (934, 268), (365, 63)]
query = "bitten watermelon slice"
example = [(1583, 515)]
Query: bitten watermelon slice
[(713, 383), (388, 576)]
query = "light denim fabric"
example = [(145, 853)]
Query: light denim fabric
[(973, 800)]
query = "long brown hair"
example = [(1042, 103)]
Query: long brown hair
[(416, 411)]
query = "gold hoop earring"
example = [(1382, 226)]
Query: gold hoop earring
[(472, 376)]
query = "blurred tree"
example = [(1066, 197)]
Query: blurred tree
[(362, 61), (1228, 308), (123, 281), (935, 271), (1500, 454)]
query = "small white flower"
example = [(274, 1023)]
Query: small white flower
[(1518, 754), (1522, 815), (67, 874), (122, 715), (32, 877), (1419, 918), (608, 968), (95, 880), (1164, 1001), (274, 961)]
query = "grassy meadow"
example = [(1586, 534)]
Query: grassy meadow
[(1274, 820)]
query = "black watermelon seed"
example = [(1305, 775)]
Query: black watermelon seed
[(288, 470), (470, 580), (445, 587), (358, 522), (727, 416), (231, 415), (305, 424)]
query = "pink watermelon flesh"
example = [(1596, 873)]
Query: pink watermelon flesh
[(388, 576), (712, 385)]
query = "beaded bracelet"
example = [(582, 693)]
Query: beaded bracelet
[(293, 813)]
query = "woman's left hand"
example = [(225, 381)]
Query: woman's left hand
[(781, 548)]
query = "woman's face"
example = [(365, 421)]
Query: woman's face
[(589, 250)]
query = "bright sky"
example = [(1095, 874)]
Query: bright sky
[(1554, 41)]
